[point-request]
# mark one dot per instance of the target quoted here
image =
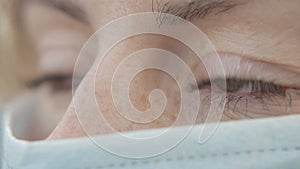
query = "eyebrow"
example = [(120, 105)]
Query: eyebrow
[(196, 9), (69, 7)]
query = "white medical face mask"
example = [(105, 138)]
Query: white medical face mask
[(272, 143)]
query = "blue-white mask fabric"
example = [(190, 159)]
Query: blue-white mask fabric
[(271, 143)]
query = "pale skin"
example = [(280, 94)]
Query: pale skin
[(265, 34)]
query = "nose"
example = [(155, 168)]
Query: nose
[(82, 115)]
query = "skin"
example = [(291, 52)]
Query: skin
[(266, 40)]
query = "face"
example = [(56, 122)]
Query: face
[(258, 48)]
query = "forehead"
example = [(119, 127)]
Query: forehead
[(266, 29), (182, 8)]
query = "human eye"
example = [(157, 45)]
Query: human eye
[(55, 36), (53, 33), (253, 93), (56, 82)]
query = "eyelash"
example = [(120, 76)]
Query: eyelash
[(257, 90), (57, 82), (257, 86)]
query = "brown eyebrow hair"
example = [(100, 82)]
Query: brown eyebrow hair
[(195, 9)]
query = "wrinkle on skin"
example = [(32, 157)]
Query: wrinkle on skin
[(255, 34)]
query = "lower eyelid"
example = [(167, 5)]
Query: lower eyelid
[(246, 105)]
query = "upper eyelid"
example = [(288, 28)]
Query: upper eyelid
[(241, 66)]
